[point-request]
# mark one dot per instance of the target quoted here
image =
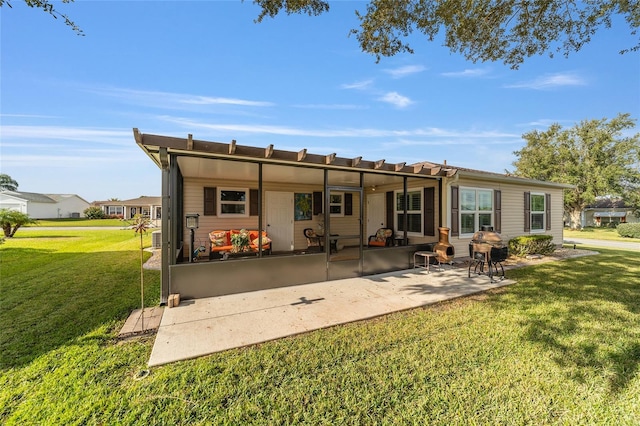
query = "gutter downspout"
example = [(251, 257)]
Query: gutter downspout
[(445, 193), (166, 210)]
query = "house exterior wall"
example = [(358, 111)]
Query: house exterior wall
[(512, 223), (12, 203), (69, 205)]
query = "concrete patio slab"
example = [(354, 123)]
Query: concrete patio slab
[(205, 326)]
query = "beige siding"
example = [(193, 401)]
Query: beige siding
[(343, 225), (513, 211)]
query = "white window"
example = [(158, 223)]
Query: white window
[(233, 202), (115, 210), (537, 212), (476, 209), (414, 211), (336, 203)]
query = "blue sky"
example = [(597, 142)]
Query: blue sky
[(69, 103)]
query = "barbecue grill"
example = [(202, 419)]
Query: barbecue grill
[(487, 248)]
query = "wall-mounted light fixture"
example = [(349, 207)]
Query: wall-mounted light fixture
[(192, 225)]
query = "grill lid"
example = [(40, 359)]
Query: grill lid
[(487, 237)]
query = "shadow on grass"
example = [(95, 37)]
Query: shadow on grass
[(585, 313), (63, 296)]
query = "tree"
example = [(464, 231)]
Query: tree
[(485, 30), (12, 220), (7, 184), (48, 7), (593, 155)]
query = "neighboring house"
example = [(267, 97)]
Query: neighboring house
[(127, 209), (608, 212), (44, 206), (283, 193)]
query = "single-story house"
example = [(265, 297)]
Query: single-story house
[(279, 194), (608, 212), (44, 206), (145, 205)]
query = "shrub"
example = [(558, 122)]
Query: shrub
[(531, 244), (629, 230), (94, 213)]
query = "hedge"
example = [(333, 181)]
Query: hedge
[(629, 230), (531, 244)]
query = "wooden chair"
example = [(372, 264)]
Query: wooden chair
[(314, 242)]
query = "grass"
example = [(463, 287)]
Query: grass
[(610, 234), (560, 347), (82, 222)]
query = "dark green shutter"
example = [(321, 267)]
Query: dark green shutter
[(253, 202), (527, 212), (497, 207), (210, 197), (389, 202), (455, 209), (348, 204), (317, 203), (547, 206), (428, 215)]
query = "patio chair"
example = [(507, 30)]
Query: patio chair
[(314, 242), (382, 238)]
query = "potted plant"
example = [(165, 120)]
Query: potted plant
[(240, 241)]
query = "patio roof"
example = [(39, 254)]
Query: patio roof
[(154, 144)]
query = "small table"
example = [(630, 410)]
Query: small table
[(427, 255)]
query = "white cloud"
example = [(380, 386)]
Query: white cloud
[(550, 81), (466, 73), (94, 135), (168, 99), (358, 85), (405, 71), (330, 106), (396, 99)]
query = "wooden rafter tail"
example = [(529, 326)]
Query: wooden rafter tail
[(435, 170), (378, 164), (330, 158), (418, 168), (137, 136), (302, 154), (356, 161), (268, 152), (399, 166), (232, 147), (190, 142)]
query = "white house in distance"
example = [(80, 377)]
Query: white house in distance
[(126, 209), (44, 206)]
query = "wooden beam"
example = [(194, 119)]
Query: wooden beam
[(435, 170), (356, 161), (302, 154), (330, 158), (137, 135), (268, 152), (378, 164), (190, 142), (232, 146), (399, 166), (418, 168)]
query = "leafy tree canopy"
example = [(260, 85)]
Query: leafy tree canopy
[(595, 156), (484, 30), (49, 8), (7, 184)]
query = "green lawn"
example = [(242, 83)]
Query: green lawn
[(610, 234), (560, 347), (80, 222)]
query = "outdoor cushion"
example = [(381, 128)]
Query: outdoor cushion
[(219, 238)]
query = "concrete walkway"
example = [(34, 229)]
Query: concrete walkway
[(205, 326)]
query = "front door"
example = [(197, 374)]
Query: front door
[(279, 217), (375, 213)]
